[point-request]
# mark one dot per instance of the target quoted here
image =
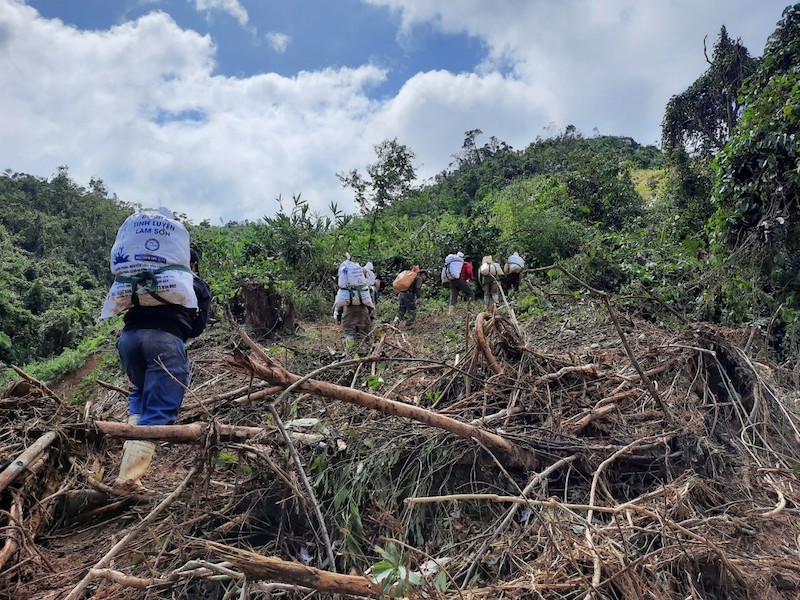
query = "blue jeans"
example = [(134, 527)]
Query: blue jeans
[(157, 365)]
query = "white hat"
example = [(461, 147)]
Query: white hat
[(460, 254), (369, 266)]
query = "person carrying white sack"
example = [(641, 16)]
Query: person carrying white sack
[(457, 273), (513, 273), (353, 306), (489, 275), (157, 286)]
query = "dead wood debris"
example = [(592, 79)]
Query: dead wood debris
[(595, 460)]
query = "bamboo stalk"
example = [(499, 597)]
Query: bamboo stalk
[(12, 471)]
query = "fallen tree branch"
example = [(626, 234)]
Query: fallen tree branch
[(240, 396), (621, 508), (130, 581), (268, 567), (298, 462), (603, 407), (14, 528), (480, 339), (12, 471), (175, 578), (194, 433), (77, 591), (651, 389), (277, 375), (113, 388), (589, 369), (511, 513), (34, 381)]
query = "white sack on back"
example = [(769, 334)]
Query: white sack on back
[(453, 264), (354, 297), (176, 287), (369, 274), (491, 269), (350, 274), (514, 264), (148, 241)]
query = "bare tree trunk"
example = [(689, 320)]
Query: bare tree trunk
[(266, 311)]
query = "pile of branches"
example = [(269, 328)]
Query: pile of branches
[(627, 463)]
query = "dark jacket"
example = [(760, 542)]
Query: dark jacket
[(173, 318)]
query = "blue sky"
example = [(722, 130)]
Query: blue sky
[(215, 108), (316, 33)]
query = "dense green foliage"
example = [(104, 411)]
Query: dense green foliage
[(54, 243), (701, 119), (757, 176)]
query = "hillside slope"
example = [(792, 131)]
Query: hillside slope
[(656, 463)]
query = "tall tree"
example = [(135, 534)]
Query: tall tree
[(758, 184), (388, 179), (702, 119)]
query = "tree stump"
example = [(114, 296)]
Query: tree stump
[(267, 312)]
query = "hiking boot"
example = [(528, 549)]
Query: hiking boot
[(130, 488), (136, 458)]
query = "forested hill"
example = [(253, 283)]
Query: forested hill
[(54, 242), (55, 235), (708, 224)]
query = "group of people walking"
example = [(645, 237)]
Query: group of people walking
[(157, 286), (357, 297), (458, 273)]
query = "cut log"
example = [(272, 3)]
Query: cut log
[(268, 567), (194, 433)]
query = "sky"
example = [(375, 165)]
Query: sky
[(218, 108)]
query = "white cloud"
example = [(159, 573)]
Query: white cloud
[(114, 104), (610, 64), (433, 111), (278, 41), (232, 7)]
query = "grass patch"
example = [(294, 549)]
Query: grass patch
[(53, 369)]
